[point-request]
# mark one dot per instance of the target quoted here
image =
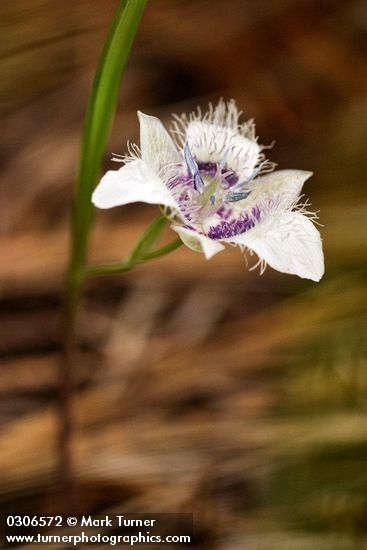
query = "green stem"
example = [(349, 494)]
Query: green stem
[(170, 247), (98, 120), (126, 265), (147, 240)]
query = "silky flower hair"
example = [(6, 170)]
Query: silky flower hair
[(214, 183)]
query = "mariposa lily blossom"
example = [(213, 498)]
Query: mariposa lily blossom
[(212, 179)]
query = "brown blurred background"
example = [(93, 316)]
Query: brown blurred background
[(201, 387)]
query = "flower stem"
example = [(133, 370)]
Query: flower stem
[(170, 247), (126, 265), (98, 120), (140, 253)]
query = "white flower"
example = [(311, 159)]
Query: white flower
[(217, 187)]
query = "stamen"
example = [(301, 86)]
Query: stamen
[(235, 197), (193, 169)]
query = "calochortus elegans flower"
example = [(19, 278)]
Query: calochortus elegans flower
[(212, 179)]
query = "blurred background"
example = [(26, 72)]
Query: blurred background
[(200, 386)]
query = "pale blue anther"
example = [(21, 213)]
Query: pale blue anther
[(193, 169), (234, 197), (237, 193)]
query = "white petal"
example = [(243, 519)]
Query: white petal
[(132, 183), (289, 243), (157, 148), (198, 242), (274, 192), (285, 184), (214, 143)]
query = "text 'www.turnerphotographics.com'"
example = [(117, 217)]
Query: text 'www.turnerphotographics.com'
[(111, 529)]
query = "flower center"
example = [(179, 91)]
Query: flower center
[(205, 191)]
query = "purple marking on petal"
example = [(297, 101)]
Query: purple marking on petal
[(181, 187), (225, 229), (224, 212), (187, 226), (231, 179), (180, 181), (208, 168)]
